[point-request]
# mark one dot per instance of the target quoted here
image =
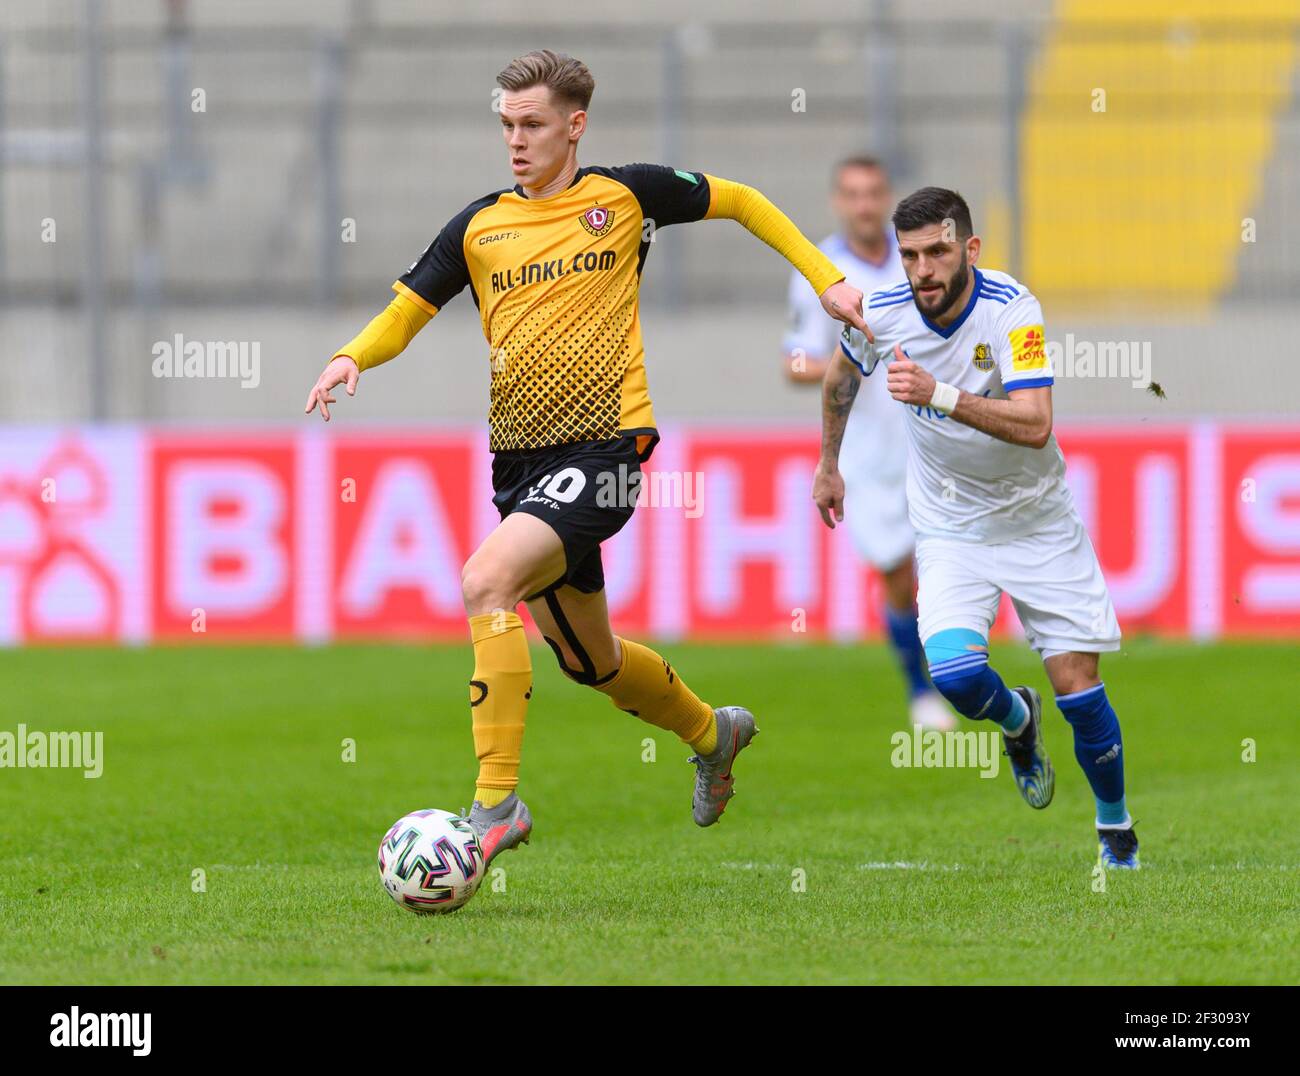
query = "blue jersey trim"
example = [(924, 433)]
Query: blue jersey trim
[(996, 296), (849, 355), (891, 293), (896, 287), (890, 302), (1013, 292), (1028, 383)]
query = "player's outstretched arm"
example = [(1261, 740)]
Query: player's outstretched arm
[(1024, 418), (384, 338), (839, 389), (752, 210)]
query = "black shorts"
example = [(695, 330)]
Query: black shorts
[(585, 491)]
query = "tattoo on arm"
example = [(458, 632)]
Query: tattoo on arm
[(839, 390)]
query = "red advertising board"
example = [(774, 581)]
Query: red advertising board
[(135, 534)]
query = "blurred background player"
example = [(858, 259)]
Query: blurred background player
[(873, 457), (554, 265)]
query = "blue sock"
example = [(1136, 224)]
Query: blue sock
[(959, 667), (1099, 749), (907, 648)]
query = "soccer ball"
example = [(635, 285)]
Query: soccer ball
[(431, 861)]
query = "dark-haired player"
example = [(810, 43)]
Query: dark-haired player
[(986, 492), (873, 458)]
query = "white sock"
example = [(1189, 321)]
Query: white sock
[(1017, 706)]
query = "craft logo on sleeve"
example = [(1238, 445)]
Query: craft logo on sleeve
[(1028, 348)]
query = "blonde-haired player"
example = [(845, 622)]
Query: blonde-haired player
[(554, 265)]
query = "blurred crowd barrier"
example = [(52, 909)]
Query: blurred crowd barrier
[(281, 161)]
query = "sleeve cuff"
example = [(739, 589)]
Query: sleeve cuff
[(849, 355), (417, 299)]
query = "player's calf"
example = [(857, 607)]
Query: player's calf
[(959, 668), (647, 686), (1099, 750)]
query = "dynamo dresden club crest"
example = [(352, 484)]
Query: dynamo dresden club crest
[(598, 220)]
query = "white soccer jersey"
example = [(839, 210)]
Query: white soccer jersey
[(873, 438), (961, 483)]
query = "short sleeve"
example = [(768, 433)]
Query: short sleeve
[(1022, 345), (667, 195), (809, 328)]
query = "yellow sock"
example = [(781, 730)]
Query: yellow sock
[(647, 687), (490, 797), (498, 698)]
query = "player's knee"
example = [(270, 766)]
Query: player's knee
[(1071, 672), (959, 669), (482, 589)]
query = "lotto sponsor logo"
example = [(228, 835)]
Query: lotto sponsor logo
[(1028, 348)]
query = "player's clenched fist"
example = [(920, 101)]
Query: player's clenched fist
[(828, 494), (909, 383), (340, 371)]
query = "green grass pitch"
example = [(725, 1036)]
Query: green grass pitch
[(229, 761)]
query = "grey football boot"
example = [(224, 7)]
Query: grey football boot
[(502, 827), (714, 785)]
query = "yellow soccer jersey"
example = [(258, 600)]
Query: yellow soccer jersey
[(555, 281)]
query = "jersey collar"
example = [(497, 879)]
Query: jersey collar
[(578, 176), (961, 318)]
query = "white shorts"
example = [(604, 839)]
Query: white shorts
[(875, 509), (1052, 576)]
